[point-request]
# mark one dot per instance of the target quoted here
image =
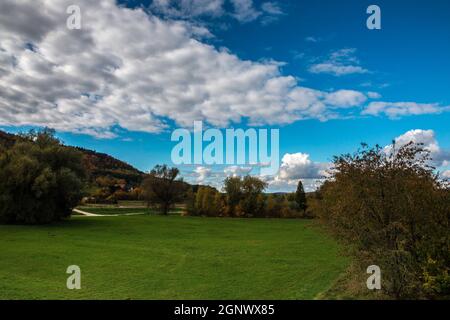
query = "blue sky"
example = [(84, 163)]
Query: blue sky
[(407, 61)]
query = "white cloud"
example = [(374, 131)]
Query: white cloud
[(446, 174), (426, 137), (129, 69), (339, 63), (345, 98), (337, 70), (244, 10), (202, 173), (272, 8), (299, 165), (295, 167), (373, 95), (397, 109)]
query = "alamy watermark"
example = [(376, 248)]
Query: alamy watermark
[(237, 147), (73, 22), (374, 20), (74, 280), (374, 281)]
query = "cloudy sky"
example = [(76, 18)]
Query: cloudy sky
[(136, 70)]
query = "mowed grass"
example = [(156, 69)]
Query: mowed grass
[(156, 257)]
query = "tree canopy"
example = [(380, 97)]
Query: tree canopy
[(40, 179)]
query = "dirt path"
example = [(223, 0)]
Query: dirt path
[(88, 214)]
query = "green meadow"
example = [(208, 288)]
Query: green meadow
[(169, 257)]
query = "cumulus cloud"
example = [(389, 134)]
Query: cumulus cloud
[(126, 68), (440, 157), (339, 63), (295, 167), (397, 109)]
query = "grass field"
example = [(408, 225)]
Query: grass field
[(155, 257)]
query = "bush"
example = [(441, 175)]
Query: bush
[(40, 180), (395, 212)]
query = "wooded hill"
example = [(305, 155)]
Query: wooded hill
[(97, 164)]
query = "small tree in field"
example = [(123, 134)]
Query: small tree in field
[(162, 189), (300, 197)]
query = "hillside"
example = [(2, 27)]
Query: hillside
[(97, 164), (104, 165)]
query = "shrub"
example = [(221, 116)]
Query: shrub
[(395, 212)]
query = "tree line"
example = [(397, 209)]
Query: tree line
[(242, 197), (245, 197)]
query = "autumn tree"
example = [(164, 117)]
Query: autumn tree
[(161, 188), (394, 211)]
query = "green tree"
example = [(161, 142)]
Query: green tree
[(162, 189), (300, 197), (252, 188), (41, 180), (242, 194), (233, 190)]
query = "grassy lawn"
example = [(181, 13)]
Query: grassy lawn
[(154, 257)]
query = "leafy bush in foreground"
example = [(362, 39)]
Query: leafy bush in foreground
[(395, 212)]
